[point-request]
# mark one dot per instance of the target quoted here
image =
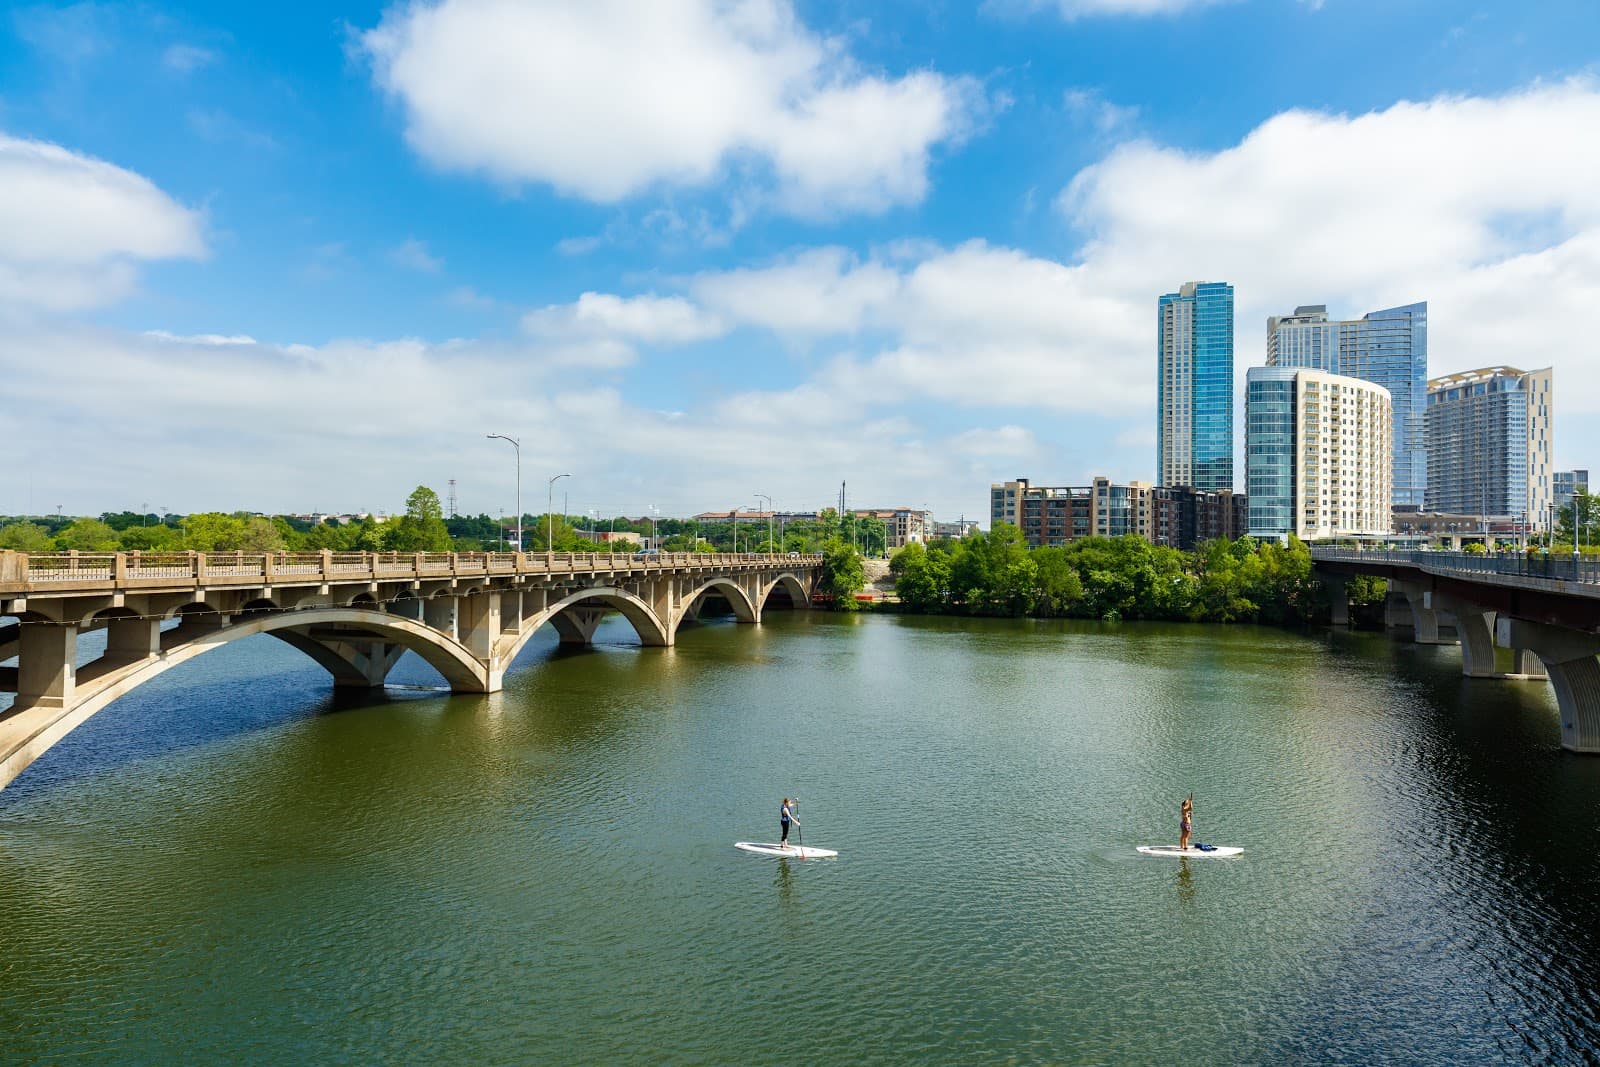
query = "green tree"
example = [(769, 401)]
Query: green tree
[(842, 574), (421, 528), (150, 539), (87, 535), (25, 537), (921, 578), (1057, 587)]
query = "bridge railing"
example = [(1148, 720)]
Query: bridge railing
[(1511, 564), (20, 570)]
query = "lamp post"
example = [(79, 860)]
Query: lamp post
[(518, 446), (655, 538), (549, 514), (768, 499)]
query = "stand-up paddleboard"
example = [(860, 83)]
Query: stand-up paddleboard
[(1214, 852), (794, 852)]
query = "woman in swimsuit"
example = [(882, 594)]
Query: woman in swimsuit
[(1186, 821), (785, 817)]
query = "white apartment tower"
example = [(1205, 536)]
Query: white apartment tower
[(1319, 452)]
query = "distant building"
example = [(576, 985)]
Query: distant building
[(1318, 457), (1490, 444), (1174, 516), (1567, 484), (1194, 376), (612, 537), (1388, 348), (952, 531), (904, 526)]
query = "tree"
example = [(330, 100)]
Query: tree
[(422, 528), (25, 537), (921, 578), (87, 535), (150, 539), (842, 574)]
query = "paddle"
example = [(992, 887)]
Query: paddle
[(797, 834)]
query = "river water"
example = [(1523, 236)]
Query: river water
[(231, 866)]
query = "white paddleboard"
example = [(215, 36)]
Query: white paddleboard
[(794, 852), (1217, 852)]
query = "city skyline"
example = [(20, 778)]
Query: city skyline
[(290, 260)]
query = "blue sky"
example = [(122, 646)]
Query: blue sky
[(301, 257)]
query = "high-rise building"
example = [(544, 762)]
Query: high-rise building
[(1318, 454), (1490, 442), (1389, 348), (1194, 421), (1567, 484)]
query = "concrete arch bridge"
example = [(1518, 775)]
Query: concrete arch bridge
[(467, 615)]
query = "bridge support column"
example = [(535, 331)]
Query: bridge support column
[(1339, 592), (1475, 625), (478, 619), (440, 614), (46, 665), (1397, 614), (133, 639), (1570, 656)]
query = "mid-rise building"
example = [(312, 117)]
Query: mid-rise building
[(1194, 375), (1567, 484), (952, 531), (1318, 454), (1388, 348), (903, 526), (1490, 444), (1174, 516)]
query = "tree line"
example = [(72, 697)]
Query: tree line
[(996, 573)]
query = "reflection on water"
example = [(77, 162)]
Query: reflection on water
[(231, 865)]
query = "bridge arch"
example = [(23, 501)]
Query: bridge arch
[(29, 734), (744, 609), (792, 585), (563, 615)]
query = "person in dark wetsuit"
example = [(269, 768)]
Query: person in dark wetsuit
[(785, 817), (1185, 821)]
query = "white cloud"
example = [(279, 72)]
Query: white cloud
[(1484, 207), (187, 58), (604, 99), (252, 426), (818, 291), (1076, 9), (202, 338), (73, 228), (1091, 107), (413, 254), (648, 319)]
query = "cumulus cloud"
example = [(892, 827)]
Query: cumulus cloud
[(603, 99), (73, 228), (1484, 207), (650, 319), (243, 425), (187, 58)]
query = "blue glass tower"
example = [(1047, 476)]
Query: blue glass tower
[(1194, 421), (1388, 348)]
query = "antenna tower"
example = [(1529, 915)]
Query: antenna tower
[(452, 502)]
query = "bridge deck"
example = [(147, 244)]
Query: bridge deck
[(73, 573)]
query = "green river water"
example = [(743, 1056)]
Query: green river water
[(232, 866)]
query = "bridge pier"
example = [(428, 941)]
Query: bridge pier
[(1423, 621), (1475, 627), (47, 665), (1338, 586), (1570, 657)]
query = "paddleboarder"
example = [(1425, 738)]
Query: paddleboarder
[(785, 817), (1185, 821)]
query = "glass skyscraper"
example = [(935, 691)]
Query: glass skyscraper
[(1388, 348), (1194, 422), (1489, 444)]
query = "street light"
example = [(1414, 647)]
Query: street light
[(655, 538), (549, 515), (768, 499), (518, 446)]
